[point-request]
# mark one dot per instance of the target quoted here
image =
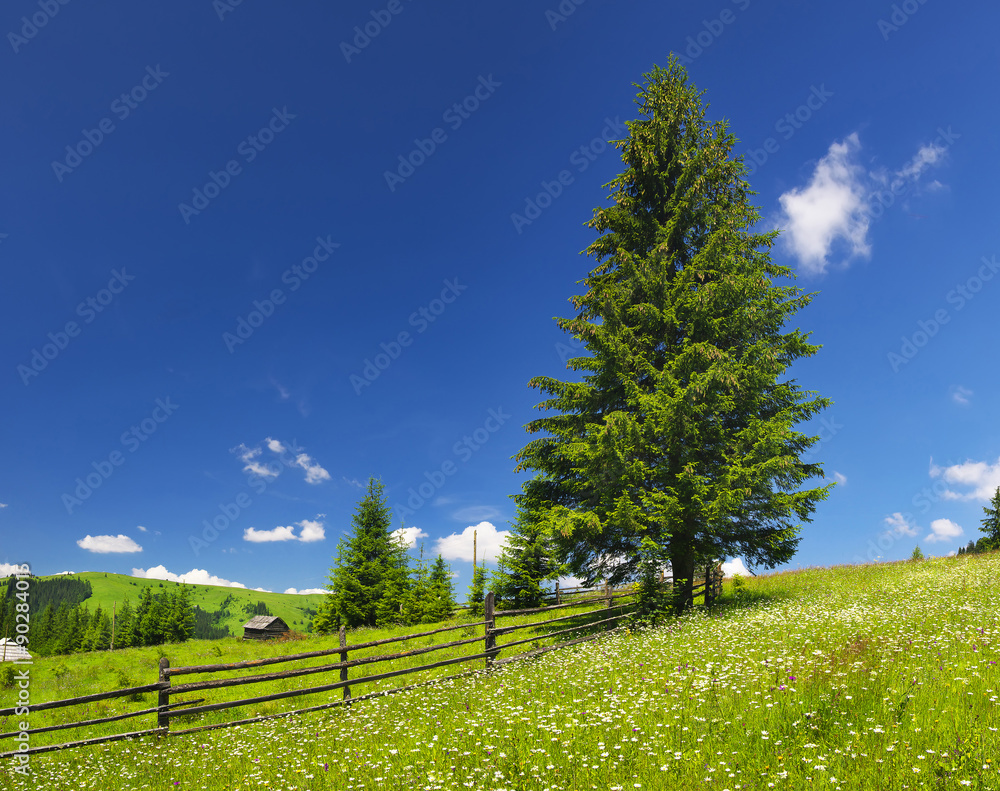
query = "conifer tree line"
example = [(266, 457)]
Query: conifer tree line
[(65, 626)]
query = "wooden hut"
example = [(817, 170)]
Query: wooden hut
[(264, 627), (12, 651)]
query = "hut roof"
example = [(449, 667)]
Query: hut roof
[(264, 621)]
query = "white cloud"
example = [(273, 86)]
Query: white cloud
[(283, 392), (61, 573), (314, 472), (960, 395), (140, 527), (312, 530), (353, 482), (3, 505), (899, 525), (306, 591), (943, 530), (840, 478), (250, 464), (6, 569), (735, 566), (458, 546), (929, 154), (264, 536), (829, 209), (103, 545), (193, 577), (253, 465), (983, 478), (410, 535)]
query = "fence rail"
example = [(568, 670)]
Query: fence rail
[(165, 710)]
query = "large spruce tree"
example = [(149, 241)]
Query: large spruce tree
[(680, 428)]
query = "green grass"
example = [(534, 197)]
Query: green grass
[(60, 677), (875, 677)]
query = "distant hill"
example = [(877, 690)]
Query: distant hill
[(294, 609)]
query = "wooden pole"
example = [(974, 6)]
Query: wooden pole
[(163, 697), (114, 606), (607, 594), (343, 658), (558, 594), (474, 549), (490, 625)]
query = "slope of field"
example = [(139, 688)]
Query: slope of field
[(115, 588), (863, 678)]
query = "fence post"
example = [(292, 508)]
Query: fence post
[(342, 634), (489, 624), (558, 595), (607, 593), (163, 697)]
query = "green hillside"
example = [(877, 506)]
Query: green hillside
[(111, 588)]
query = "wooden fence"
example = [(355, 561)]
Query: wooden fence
[(165, 687)]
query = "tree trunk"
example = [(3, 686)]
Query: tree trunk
[(682, 567)]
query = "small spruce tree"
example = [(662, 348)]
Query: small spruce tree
[(371, 575), (526, 563), (991, 523), (477, 591)]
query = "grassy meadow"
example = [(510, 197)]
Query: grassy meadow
[(866, 677)]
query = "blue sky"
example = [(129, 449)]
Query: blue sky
[(253, 255)]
